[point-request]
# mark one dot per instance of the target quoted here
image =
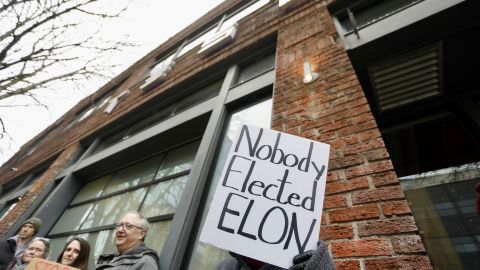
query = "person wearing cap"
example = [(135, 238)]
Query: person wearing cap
[(14, 247)]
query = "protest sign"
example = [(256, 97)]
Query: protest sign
[(41, 264), (268, 202)]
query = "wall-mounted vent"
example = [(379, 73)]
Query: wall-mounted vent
[(157, 75), (218, 40), (408, 78)]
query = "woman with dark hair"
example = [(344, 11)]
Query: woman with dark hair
[(75, 253)]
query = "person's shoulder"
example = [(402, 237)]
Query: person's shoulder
[(149, 262)]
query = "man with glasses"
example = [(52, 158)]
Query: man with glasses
[(130, 233)]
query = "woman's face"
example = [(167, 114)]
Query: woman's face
[(70, 254)]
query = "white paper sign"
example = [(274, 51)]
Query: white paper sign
[(268, 202)]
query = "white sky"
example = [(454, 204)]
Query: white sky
[(147, 22)]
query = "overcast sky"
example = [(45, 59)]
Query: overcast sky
[(147, 22)]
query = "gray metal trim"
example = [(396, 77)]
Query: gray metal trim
[(184, 220), (250, 86), (161, 127), (16, 194), (393, 23), (57, 201), (84, 155)]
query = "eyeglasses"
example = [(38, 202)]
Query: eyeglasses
[(126, 226)]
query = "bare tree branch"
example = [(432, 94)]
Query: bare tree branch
[(46, 42)]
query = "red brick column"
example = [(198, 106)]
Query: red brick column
[(367, 222), (36, 188)]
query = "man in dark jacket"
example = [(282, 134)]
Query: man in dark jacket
[(318, 259), (130, 232), (13, 247)]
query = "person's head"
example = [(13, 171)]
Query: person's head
[(38, 248), (29, 228), (75, 253), (130, 231)]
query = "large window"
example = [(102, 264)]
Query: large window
[(153, 187), (443, 204), (206, 256)]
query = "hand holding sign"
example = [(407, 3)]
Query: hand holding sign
[(269, 200)]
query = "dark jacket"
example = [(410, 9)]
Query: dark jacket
[(18, 264), (7, 252), (319, 260), (140, 257)]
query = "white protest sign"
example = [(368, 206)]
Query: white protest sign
[(268, 202)]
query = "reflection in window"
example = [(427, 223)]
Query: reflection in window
[(443, 204), (256, 69), (164, 197), (133, 176), (205, 256), (101, 202)]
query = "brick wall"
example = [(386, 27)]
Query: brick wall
[(367, 222), (36, 188)]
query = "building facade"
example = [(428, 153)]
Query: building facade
[(392, 86)]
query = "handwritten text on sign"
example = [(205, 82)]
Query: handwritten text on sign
[(268, 202), (41, 264)]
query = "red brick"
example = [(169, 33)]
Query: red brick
[(334, 232), (361, 248), (383, 227), (336, 175), (342, 186), (334, 201), (324, 218), (355, 213), (376, 154), (379, 194), (364, 146), (347, 265), (346, 161), (385, 178), (369, 168), (403, 262), (396, 208), (408, 244), (368, 135)]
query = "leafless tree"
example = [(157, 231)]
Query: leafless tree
[(47, 42)]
